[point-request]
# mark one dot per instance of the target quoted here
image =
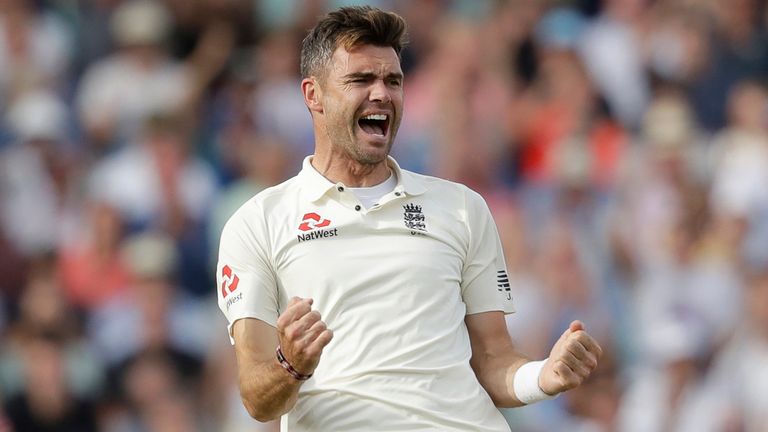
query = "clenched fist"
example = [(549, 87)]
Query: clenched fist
[(302, 335), (572, 360)]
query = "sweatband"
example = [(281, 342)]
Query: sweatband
[(526, 383)]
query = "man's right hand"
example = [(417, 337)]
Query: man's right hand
[(302, 335)]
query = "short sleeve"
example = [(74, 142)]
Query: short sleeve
[(485, 285), (246, 284)]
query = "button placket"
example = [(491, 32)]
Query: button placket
[(347, 199)]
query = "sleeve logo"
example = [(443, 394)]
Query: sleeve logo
[(502, 282), (229, 281)]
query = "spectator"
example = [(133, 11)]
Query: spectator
[(612, 52), (46, 404), (50, 379), (157, 183), (153, 313), (36, 174), (120, 92), (741, 365), (36, 49), (91, 270)]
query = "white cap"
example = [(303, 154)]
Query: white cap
[(140, 22), (38, 115)]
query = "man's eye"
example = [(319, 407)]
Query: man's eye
[(394, 83)]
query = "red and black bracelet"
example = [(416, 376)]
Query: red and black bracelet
[(287, 366)]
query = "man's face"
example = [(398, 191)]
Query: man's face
[(362, 97)]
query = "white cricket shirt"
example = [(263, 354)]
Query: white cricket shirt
[(393, 282)]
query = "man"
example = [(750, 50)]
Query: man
[(365, 297)]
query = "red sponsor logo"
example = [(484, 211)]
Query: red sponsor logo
[(312, 221), (229, 282)]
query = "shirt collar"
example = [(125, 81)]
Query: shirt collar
[(317, 185)]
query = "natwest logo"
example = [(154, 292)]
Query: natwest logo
[(229, 281), (312, 221)]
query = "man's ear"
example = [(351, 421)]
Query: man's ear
[(312, 92)]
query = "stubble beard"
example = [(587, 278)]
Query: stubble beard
[(355, 151), (349, 145)]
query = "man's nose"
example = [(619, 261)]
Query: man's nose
[(380, 92)]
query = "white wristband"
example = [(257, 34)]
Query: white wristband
[(526, 383)]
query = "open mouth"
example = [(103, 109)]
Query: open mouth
[(374, 124)]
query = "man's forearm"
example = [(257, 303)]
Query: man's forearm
[(268, 387), (494, 358), (510, 379), (267, 390), (496, 375)]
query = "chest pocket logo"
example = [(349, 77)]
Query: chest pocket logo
[(414, 219)]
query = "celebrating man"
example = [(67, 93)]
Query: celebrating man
[(361, 296)]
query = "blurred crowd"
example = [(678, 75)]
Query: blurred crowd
[(621, 144)]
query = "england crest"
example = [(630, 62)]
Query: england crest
[(413, 217)]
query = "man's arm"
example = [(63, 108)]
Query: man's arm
[(495, 361), (266, 388)]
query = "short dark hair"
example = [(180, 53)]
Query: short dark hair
[(349, 27)]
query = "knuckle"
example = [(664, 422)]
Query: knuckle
[(281, 321), (300, 346), (293, 333)]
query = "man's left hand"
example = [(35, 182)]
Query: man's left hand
[(572, 360)]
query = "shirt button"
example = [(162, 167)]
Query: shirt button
[(340, 188), (357, 207), (397, 194)]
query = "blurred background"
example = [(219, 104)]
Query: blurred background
[(621, 144)]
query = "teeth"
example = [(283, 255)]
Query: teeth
[(375, 117)]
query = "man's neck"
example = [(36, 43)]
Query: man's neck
[(350, 172)]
